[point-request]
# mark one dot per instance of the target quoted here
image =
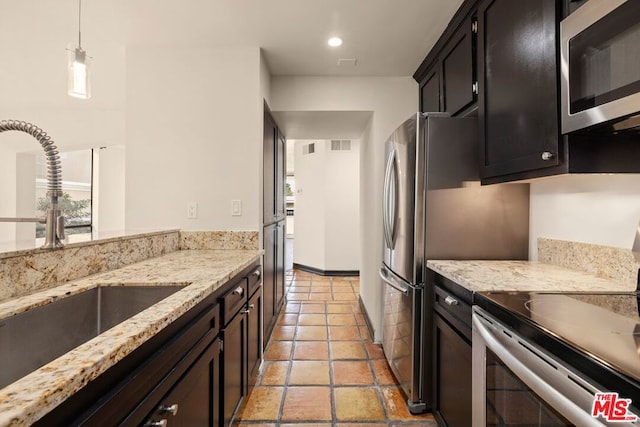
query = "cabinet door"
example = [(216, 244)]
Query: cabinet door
[(268, 278), (430, 92), (457, 71), (193, 401), (254, 336), (518, 99), (280, 274), (453, 376), (269, 168), (281, 171), (233, 365)]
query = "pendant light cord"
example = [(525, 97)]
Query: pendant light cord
[(79, 21)]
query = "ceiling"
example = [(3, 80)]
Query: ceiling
[(387, 37)]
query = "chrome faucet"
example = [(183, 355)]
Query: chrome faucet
[(54, 235)]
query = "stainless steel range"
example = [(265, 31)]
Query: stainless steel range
[(556, 359)]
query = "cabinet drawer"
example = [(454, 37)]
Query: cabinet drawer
[(255, 280), (234, 300), (454, 310)]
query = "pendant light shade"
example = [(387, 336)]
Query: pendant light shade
[(79, 84)]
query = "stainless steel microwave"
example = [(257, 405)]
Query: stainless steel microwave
[(600, 65)]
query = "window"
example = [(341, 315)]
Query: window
[(76, 200)]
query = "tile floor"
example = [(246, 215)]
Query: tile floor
[(321, 368)]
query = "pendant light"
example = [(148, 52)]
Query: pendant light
[(78, 80)]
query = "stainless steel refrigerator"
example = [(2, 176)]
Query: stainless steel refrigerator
[(435, 208)]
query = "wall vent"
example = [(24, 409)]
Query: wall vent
[(340, 145), (309, 148)]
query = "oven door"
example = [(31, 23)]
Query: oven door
[(600, 55), (515, 383)]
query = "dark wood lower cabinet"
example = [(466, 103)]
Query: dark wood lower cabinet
[(193, 401), (274, 275), (452, 357), (202, 362), (233, 365), (254, 336), (453, 377), (269, 236)]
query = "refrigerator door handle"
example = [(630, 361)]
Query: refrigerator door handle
[(385, 200), (393, 195), (391, 281)]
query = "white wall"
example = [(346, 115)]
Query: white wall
[(327, 217), (34, 89), (194, 134), (109, 188), (8, 178), (598, 209), (25, 195), (392, 100), (310, 218), (342, 208)]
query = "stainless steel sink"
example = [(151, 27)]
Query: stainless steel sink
[(34, 338)]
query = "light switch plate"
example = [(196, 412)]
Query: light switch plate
[(236, 208), (192, 210)]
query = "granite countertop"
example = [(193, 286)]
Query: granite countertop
[(203, 271), (32, 246), (479, 276)]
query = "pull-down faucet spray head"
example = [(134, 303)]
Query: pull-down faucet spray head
[(54, 220)]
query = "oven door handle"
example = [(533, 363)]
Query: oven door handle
[(561, 402)]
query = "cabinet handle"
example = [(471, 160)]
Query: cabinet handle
[(171, 409), (450, 301), (256, 274), (162, 423), (547, 155), (238, 291), (251, 306)]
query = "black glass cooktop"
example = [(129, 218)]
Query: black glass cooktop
[(599, 333)]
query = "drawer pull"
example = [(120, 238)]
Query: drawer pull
[(162, 423), (256, 274), (170, 409), (238, 291), (450, 301), (248, 310)]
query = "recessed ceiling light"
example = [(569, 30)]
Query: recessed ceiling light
[(334, 41)]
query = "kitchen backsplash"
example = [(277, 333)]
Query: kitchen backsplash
[(24, 272), (243, 240), (38, 269), (603, 261)]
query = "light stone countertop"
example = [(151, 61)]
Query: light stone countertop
[(479, 276), (28, 399), (33, 246)]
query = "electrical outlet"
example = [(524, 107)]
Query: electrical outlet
[(192, 210), (236, 208)]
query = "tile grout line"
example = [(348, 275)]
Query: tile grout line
[(334, 413)]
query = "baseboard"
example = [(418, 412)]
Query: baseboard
[(367, 320), (326, 272)]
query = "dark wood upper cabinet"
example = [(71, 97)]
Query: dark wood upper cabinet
[(430, 91), (269, 169), (281, 172), (458, 84), (518, 86)]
